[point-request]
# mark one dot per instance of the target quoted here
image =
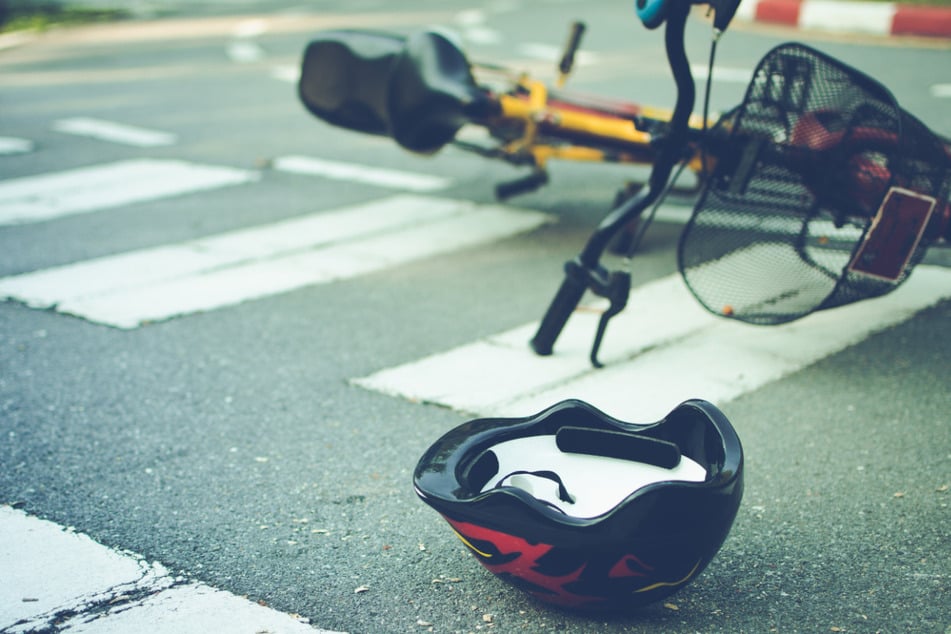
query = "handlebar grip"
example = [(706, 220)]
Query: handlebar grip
[(564, 303), (574, 41)]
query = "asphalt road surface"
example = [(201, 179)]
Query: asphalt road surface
[(216, 350)]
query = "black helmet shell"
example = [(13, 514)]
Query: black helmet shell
[(653, 541)]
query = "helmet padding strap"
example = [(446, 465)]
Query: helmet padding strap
[(563, 494), (618, 444)]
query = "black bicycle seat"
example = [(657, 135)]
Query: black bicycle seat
[(345, 78), (417, 89), (432, 92)]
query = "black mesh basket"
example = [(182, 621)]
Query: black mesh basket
[(824, 192)]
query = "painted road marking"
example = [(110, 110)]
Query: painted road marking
[(86, 586), (13, 145), (243, 49), (114, 132), (251, 27), (472, 24), (134, 288), (38, 198), (722, 73), (551, 53), (481, 35), (941, 90), (353, 172), (470, 17), (286, 72), (245, 52), (662, 350)]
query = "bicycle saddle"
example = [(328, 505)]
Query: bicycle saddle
[(416, 89), (345, 76), (432, 93)]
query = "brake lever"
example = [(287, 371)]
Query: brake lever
[(617, 290)]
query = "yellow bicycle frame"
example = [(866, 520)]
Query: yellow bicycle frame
[(591, 127)]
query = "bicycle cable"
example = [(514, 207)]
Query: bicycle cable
[(649, 218), (706, 101)]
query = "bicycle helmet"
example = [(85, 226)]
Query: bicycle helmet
[(585, 511)]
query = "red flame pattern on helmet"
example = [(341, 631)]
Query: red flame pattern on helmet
[(521, 561)]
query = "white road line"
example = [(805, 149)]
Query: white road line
[(252, 27), (481, 35), (288, 73), (470, 17), (243, 49), (58, 579), (114, 132), (338, 170), (662, 350), (245, 52), (673, 214), (471, 22), (130, 289), (38, 198), (941, 90), (722, 73), (551, 53), (13, 145)]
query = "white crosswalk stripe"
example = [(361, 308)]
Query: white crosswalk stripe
[(552, 53), (15, 145), (86, 587), (244, 52), (286, 73), (86, 189), (114, 132), (722, 73), (662, 350), (339, 170), (142, 286)]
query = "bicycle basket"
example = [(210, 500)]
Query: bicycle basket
[(823, 192)]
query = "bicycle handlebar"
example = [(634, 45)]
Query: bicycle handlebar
[(585, 271)]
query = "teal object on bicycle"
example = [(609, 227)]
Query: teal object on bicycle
[(652, 13)]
